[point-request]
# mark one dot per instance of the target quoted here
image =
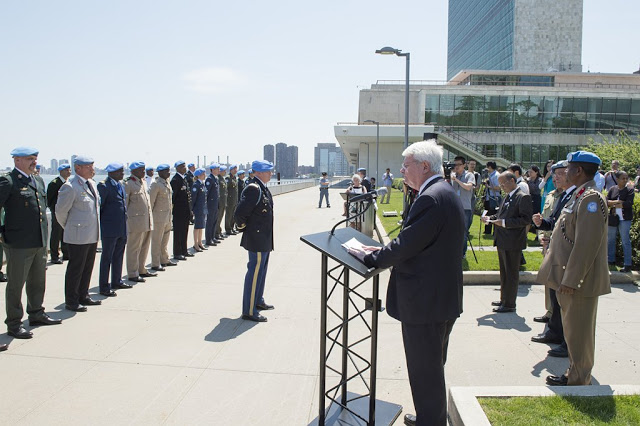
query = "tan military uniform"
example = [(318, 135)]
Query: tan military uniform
[(549, 205), (160, 200), (577, 258), (139, 224)]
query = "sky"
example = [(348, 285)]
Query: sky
[(159, 81)]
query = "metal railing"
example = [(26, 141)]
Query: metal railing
[(617, 86)]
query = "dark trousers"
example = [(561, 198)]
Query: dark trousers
[(229, 218), (24, 266), (425, 346), (491, 209), (555, 322), (509, 276), (324, 193), (180, 235), (222, 206), (111, 259), (212, 219), (78, 275), (254, 282), (56, 242)]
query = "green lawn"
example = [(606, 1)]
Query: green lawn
[(557, 410)]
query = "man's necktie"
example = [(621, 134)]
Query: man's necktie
[(91, 189)]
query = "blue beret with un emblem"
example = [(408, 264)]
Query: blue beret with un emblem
[(178, 163), (112, 167), (136, 165), (559, 165), (24, 151), (214, 166), (223, 168), (83, 160), (190, 165), (149, 168), (240, 172), (583, 157), (262, 166), (63, 167), (162, 167), (199, 172), (234, 166)]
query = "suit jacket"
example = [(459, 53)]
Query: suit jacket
[(254, 217), (52, 193), (113, 209), (426, 280), (241, 185), (198, 198), (160, 195), (77, 211), (222, 188), (213, 192), (549, 222), (232, 190), (25, 205), (181, 197), (139, 216), (189, 178), (577, 255), (516, 210)]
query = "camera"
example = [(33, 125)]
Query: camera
[(448, 166)]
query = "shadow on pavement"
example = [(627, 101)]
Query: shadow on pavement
[(228, 329), (508, 321)]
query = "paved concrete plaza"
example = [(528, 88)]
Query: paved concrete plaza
[(174, 351)]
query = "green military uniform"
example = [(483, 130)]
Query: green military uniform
[(3, 278), (577, 258), (222, 203), (24, 234), (57, 233), (232, 202)]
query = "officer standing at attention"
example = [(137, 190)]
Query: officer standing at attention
[(576, 266), (160, 199), (149, 176), (222, 202), (251, 176), (199, 209), (113, 230), (139, 224), (56, 230), (213, 195), (24, 235), (232, 200), (189, 174), (241, 183), (254, 216), (181, 199)]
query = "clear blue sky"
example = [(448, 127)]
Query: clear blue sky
[(165, 80)]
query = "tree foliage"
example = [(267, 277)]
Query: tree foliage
[(621, 147)]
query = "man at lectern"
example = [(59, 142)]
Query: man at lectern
[(425, 288)]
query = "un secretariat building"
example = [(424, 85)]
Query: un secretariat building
[(515, 91)]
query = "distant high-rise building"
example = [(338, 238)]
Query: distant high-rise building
[(73, 163), (328, 157), (269, 153), (518, 35), (54, 165), (286, 160), (63, 161)]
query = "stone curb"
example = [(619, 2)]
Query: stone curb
[(464, 408)]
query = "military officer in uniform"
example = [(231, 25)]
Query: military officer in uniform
[(113, 230), (56, 230), (241, 182), (191, 168), (160, 199), (232, 200), (254, 216), (576, 266), (199, 208), (251, 176), (139, 223), (213, 196), (24, 235), (181, 211), (222, 201), (149, 176)]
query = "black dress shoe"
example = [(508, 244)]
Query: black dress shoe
[(496, 303), (217, 241), (179, 257), (546, 338), (3, 347), (149, 274), (44, 319), (20, 333), (559, 352), (410, 420), (197, 249), (544, 319), (503, 309), (557, 380), (158, 268), (90, 302), (122, 286), (169, 264), (57, 261), (109, 293), (265, 306), (204, 247), (76, 308), (255, 318), (3, 277), (189, 255), (137, 280)]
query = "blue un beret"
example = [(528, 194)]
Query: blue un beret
[(362, 169), (112, 167), (223, 168), (178, 163), (190, 165), (240, 172), (235, 166), (250, 171), (136, 165), (559, 165), (83, 160), (199, 172), (162, 167), (63, 167), (262, 166), (24, 151), (38, 166), (583, 157), (214, 166), (149, 168)]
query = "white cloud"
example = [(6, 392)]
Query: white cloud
[(213, 80)]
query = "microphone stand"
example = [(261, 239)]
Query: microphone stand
[(351, 217)]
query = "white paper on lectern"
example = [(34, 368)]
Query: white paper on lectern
[(353, 244)]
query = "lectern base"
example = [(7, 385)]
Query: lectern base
[(386, 413)]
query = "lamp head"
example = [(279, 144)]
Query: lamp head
[(388, 51)]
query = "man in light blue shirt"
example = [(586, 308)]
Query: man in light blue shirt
[(492, 194), (387, 181)]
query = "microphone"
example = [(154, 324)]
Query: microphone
[(369, 196)]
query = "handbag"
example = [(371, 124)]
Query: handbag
[(614, 219)]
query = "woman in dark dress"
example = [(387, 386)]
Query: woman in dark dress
[(199, 208)]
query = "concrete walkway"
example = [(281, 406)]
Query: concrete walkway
[(174, 351)]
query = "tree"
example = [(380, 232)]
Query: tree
[(620, 147)]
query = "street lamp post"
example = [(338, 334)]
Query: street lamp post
[(377, 123), (398, 52)]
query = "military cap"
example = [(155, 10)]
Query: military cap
[(223, 168), (262, 166), (178, 163), (583, 157), (235, 166), (199, 172), (83, 160), (136, 165), (24, 151), (362, 169), (250, 171), (63, 167), (112, 167), (162, 167), (149, 168), (190, 165), (559, 165), (240, 172), (214, 166)]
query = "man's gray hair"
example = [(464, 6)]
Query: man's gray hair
[(428, 151)]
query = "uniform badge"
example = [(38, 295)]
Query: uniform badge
[(592, 207)]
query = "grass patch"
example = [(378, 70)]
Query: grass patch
[(563, 410), (488, 261)]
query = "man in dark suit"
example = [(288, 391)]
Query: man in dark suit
[(181, 199), (24, 235), (56, 230), (511, 221), (365, 182), (113, 230), (213, 196), (425, 287)]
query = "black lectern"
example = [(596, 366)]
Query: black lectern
[(347, 408)]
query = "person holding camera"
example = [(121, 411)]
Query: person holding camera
[(620, 202), (491, 194), (463, 183)]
